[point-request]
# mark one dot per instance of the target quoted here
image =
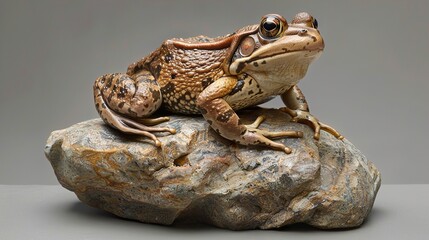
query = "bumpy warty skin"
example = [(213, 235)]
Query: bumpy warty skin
[(199, 176)]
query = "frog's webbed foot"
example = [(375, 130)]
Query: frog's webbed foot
[(128, 125), (264, 136), (260, 119), (308, 119)]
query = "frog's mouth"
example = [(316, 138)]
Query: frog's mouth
[(291, 49), (259, 62)]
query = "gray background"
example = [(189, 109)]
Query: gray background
[(371, 82)]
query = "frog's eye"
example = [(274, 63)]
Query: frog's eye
[(247, 46), (315, 23), (272, 26)]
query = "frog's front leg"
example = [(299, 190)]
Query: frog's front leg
[(226, 122), (123, 102), (297, 108)]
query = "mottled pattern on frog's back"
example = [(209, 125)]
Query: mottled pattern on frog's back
[(182, 73), (200, 39)]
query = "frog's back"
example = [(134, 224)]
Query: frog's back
[(184, 67)]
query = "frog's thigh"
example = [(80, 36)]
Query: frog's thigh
[(136, 97)]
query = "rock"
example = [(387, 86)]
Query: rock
[(199, 176)]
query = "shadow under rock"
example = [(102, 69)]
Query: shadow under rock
[(91, 213), (95, 214), (376, 215)]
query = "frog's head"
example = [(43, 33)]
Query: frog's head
[(278, 52)]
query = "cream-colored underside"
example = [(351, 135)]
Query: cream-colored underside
[(270, 77)]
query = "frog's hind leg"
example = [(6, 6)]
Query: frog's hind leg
[(120, 100)]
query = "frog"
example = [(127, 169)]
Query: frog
[(215, 78)]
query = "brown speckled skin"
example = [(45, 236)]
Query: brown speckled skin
[(181, 74), (210, 76)]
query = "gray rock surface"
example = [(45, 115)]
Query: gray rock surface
[(197, 175)]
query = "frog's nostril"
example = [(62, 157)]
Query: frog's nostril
[(302, 31)]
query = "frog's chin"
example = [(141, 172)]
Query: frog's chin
[(281, 70)]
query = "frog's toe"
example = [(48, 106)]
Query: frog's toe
[(255, 136), (147, 128), (269, 134), (287, 150), (153, 121), (311, 121), (260, 119), (261, 137), (289, 111), (131, 126), (331, 130), (134, 130), (317, 126), (157, 143), (254, 127)]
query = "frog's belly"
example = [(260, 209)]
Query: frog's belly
[(247, 101), (249, 93)]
